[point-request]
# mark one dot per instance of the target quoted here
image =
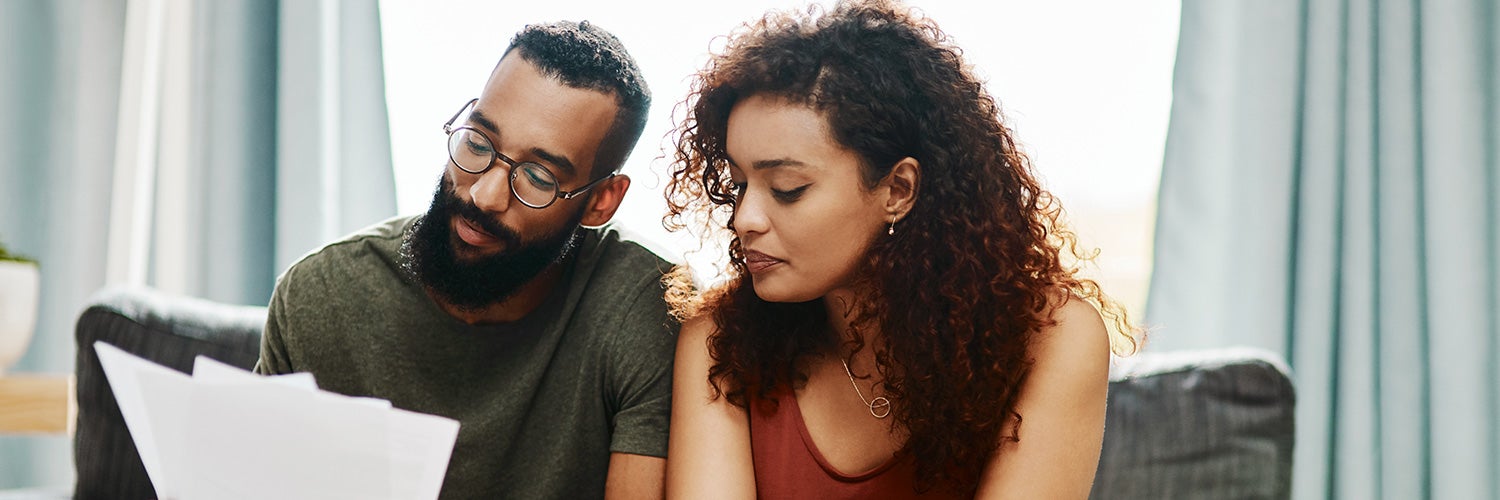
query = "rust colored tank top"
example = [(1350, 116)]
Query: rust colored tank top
[(789, 466)]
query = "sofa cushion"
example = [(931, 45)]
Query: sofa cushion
[(1211, 424), (169, 329)]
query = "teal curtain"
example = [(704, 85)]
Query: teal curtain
[(287, 147), (1331, 191)]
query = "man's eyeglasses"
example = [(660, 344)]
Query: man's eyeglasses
[(531, 183)]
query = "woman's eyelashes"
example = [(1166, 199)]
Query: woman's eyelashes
[(739, 188), (790, 195)]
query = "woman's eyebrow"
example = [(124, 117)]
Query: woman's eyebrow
[(777, 162)]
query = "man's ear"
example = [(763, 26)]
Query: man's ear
[(901, 187), (605, 199)]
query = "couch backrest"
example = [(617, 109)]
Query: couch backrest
[(1192, 424), (169, 329), (1198, 424)]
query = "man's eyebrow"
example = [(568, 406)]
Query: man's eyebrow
[(560, 161), (478, 117)]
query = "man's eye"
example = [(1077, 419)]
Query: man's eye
[(477, 148), (537, 179)]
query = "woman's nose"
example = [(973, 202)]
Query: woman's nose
[(749, 217)]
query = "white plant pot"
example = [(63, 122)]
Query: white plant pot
[(20, 288)]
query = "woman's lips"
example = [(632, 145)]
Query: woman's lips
[(472, 235), (758, 262)]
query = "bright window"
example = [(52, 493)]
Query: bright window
[(1086, 84)]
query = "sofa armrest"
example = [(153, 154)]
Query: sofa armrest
[(1198, 424), (168, 329)]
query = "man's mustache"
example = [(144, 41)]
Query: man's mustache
[(478, 218)]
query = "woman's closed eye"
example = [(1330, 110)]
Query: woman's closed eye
[(790, 195)]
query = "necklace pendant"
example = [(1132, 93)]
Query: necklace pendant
[(880, 407)]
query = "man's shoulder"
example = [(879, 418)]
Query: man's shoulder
[(623, 273), (621, 253), (348, 288), (623, 309), (376, 244)]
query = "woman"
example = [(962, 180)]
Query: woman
[(898, 321)]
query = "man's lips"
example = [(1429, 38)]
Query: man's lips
[(473, 235), (758, 262)]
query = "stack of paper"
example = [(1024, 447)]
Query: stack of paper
[(227, 433)]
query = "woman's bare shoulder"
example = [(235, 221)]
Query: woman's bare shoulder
[(1076, 330)]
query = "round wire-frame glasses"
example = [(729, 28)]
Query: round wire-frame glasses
[(472, 151)]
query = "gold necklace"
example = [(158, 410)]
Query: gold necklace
[(880, 407)]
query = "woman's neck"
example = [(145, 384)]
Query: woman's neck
[(844, 306)]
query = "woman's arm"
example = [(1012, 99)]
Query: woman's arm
[(1062, 409), (708, 451)]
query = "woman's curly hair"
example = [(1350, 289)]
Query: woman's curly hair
[(973, 271)]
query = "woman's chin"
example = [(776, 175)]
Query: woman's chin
[(775, 292)]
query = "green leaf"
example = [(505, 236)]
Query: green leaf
[(5, 255)]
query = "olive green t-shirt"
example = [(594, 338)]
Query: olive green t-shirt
[(541, 402)]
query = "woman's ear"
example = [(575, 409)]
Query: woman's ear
[(901, 187)]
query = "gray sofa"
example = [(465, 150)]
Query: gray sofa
[(1186, 425)]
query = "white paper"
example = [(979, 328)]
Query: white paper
[(335, 448), (208, 369), (227, 433), (410, 437), (123, 372), (166, 395)]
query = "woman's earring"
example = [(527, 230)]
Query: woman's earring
[(891, 230)]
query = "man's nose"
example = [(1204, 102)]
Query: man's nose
[(491, 190)]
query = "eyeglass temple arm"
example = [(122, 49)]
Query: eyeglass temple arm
[(568, 195), (447, 127)]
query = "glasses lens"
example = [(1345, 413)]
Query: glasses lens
[(534, 185), (470, 151)]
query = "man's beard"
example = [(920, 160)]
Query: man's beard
[(429, 257)]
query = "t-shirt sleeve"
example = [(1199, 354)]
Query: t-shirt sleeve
[(273, 357), (641, 374)]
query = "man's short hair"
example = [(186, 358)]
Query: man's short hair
[(583, 55)]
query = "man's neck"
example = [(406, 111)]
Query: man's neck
[(523, 302)]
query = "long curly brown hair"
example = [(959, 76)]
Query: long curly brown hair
[(974, 270)]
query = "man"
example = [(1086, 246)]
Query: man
[(503, 306)]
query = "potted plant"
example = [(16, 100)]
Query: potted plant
[(20, 288)]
